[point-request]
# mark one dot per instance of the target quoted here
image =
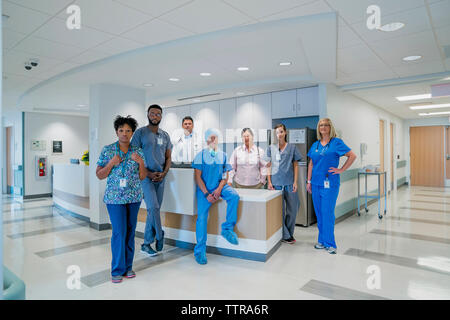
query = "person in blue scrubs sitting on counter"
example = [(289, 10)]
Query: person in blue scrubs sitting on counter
[(211, 176), (123, 165), (323, 180)]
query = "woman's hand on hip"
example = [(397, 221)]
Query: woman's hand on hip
[(335, 170)]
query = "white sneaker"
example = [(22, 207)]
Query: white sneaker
[(331, 250), (319, 246)]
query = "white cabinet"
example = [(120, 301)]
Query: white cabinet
[(308, 102), (284, 104), (302, 102), (244, 113), (205, 115), (227, 118), (262, 111), (171, 119)]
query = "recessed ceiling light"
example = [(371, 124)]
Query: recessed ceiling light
[(240, 93), (412, 58), (197, 100), (394, 26), (174, 79), (205, 74), (434, 113), (148, 85), (243, 69), (430, 106), (414, 97), (285, 63)]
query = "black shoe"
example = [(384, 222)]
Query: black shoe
[(148, 250), (291, 240), (160, 243)]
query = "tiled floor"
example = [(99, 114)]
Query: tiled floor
[(409, 249)]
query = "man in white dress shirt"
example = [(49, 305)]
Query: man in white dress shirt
[(186, 145)]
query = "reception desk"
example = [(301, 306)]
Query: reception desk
[(259, 222), (71, 188)]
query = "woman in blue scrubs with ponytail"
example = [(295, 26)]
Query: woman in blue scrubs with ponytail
[(324, 181)]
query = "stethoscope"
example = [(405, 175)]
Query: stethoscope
[(322, 152)]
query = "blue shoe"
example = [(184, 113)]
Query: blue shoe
[(231, 236), (160, 243), (201, 258), (145, 248)]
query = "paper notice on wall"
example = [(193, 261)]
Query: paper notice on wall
[(38, 145), (296, 136)]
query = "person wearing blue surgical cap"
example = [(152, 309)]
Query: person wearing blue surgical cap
[(211, 176)]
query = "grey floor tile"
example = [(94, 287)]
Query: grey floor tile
[(441, 223), (424, 209), (411, 236), (397, 260), (335, 292), (46, 231), (75, 247)]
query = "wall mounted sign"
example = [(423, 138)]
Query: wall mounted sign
[(57, 146)]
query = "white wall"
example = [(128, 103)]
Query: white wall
[(106, 102), (72, 130), (14, 120), (357, 122)]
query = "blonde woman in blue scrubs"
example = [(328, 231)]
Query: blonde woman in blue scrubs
[(324, 181)]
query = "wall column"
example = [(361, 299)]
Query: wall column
[(106, 102)]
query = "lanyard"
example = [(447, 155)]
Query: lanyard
[(124, 161)]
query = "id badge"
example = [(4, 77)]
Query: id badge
[(278, 157), (160, 141), (123, 183), (326, 184)]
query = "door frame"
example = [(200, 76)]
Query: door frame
[(383, 143)]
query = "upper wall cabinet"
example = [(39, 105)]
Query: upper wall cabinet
[(205, 115), (284, 104), (262, 111), (295, 103), (244, 113), (308, 102), (227, 115)]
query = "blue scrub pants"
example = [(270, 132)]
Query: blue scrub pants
[(153, 197), (324, 201), (291, 203), (123, 219), (232, 198)]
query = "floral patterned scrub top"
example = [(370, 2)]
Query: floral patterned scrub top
[(127, 169)]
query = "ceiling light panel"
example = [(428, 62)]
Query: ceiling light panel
[(414, 97)]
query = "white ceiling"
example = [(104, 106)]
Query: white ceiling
[(164, 32)]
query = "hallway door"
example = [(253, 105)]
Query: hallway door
[(447, 156), (427, 156)]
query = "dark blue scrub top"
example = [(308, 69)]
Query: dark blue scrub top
[(324, 158), (212, 167)]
